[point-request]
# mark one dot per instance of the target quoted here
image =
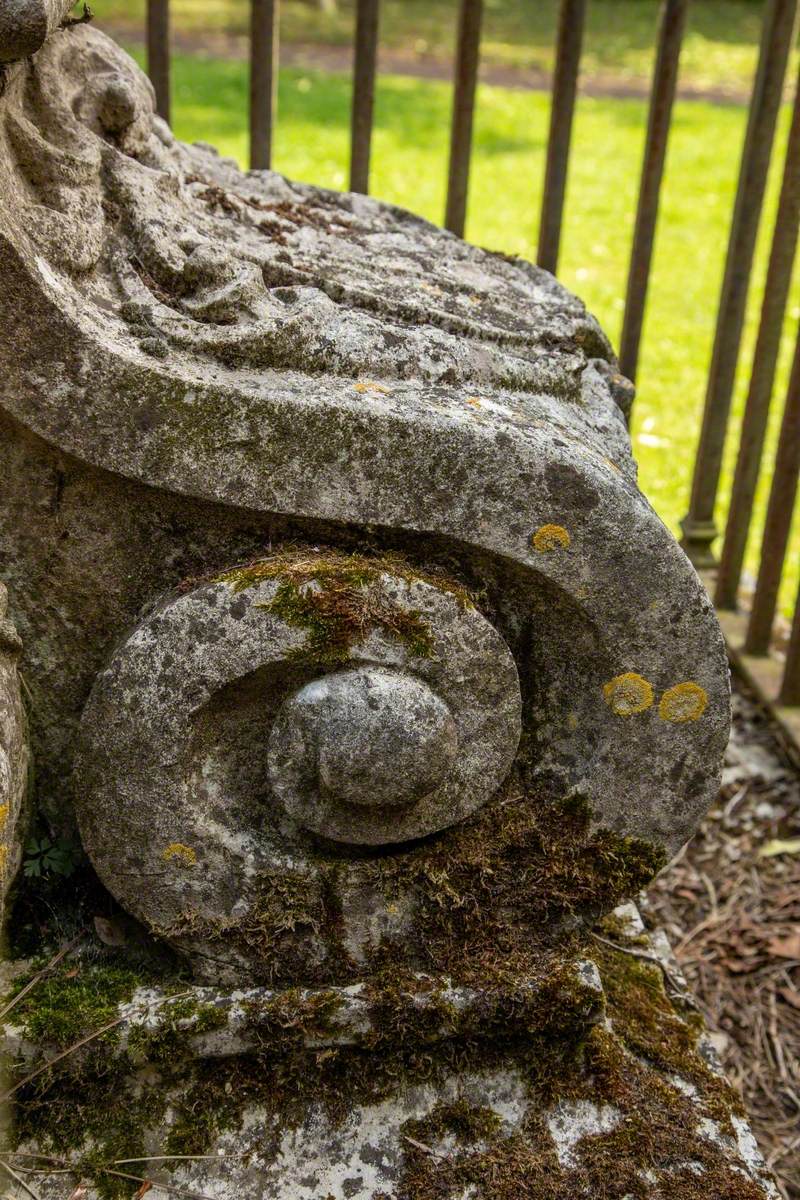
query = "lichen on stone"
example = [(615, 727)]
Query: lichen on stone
[(176, 852), (548, 538), (683, 702), (628, 694)]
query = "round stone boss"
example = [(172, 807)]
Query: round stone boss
[(215, 740)]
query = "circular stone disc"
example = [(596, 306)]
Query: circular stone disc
[(386, 745)]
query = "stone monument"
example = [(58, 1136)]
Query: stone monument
[(363, 671)]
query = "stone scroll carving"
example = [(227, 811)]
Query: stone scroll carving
[(363, 670)]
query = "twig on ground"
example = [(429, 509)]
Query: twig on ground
[(18, 1179)]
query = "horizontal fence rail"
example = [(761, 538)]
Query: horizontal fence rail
[(750, 634)]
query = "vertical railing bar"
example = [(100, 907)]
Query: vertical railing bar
[(565, 84), (698, 526), (364, 69), (665, 75), (779, 518), (263, 80), (756, 413), (466, 77), (158, 54), (790, 686)]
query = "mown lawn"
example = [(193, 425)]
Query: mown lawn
[(409, 163), (719, 50)]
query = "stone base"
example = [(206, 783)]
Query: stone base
[(615, 1093)]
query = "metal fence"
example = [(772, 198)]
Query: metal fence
[(749, 633)]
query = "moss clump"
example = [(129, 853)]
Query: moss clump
[(496, 895), (290, 917), (466, 1123), (395, 1017), (652, 1153), (73, 1002), (86, 1102), (660, 1029), (178, 1020), (338, 598), (287, 1020)]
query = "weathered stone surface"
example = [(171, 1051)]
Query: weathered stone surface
[(14, 755), (214, 1024), (25, 24), (642, 1111), (487, 425)]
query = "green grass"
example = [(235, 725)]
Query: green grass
[(409, 162), (719, 49)]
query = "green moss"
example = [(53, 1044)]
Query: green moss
[(627, 1065), (168, 1040), (73, 1001), (86, 1104), (660, 1030), (288, 912), (337, 598), (495, 895), (525, 855)]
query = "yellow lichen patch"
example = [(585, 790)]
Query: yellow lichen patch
[(177, 852), (550, 537), (3, 858), (369, 386), (474, 401), (3, 815), (628, 694), (683, 702)]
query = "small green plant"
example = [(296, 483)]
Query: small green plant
[(45, 856)]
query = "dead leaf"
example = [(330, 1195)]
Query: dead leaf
[(146, 1186), (738, 967), (780, 846), (110, 932), (80, 1191), (788, 947)]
